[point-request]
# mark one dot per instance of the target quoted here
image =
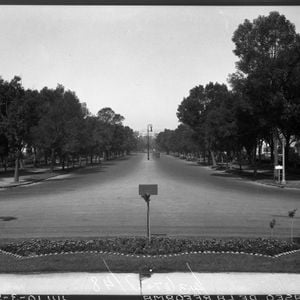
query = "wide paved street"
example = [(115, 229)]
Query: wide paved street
[(102, 201)]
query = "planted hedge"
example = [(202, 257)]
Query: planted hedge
[(158, 246)]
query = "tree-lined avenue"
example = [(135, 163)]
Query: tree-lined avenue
[(192, 200)]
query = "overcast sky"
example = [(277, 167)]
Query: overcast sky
[(140, 61)]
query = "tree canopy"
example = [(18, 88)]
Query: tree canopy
[(263, 103), (53, 123)]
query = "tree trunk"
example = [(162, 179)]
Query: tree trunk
[(21, 161), (259, 150), (254, 162), (287, 149), (213, 158), (240, 160), (52, 160), (4, 163), (16, 174), (63, 163), (34, 157), (272, 150)]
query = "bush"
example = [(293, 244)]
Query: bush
[(158, 246)]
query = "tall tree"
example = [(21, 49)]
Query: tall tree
[(58, 130), (268, 49), (14, 119), (108, 116), (207, 110), (163, 141), (192, 112), (111, 124)]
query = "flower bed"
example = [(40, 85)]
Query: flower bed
[(158, 246)]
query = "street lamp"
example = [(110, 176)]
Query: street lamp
[(149, 129), (283, 160)]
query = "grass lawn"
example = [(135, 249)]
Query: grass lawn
[(197, 262)]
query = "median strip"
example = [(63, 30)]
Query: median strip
[(160, 247)]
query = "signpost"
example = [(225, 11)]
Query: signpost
[(278, 168), (146, 190)]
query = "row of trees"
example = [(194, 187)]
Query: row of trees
[(180, 140), (263, 104), (53, 124)]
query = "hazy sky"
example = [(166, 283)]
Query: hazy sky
[(139, 60)]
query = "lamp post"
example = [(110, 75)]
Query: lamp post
[(149, 129), (283, 161)]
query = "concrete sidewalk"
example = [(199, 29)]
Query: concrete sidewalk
[(163, 284), (291, 184), (32, 176), (36, 175)]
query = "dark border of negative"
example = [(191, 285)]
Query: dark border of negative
[(152, 2)]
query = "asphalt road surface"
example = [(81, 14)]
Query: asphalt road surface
[(191, 201)]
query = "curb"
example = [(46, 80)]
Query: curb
[(38, 180), (254, 181), (278, 185), (281, 186), (26, 183), (147, 255)]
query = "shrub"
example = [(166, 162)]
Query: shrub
[(158, 245)]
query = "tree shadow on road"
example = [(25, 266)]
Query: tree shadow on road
[(100, 169), (225, 175), (7, 218)]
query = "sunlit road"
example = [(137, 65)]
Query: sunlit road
[(192, 200)]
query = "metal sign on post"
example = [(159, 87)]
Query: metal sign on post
[(278, 168), (150, 189), (146, 190)]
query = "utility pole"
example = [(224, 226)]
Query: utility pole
[(149, 129)]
